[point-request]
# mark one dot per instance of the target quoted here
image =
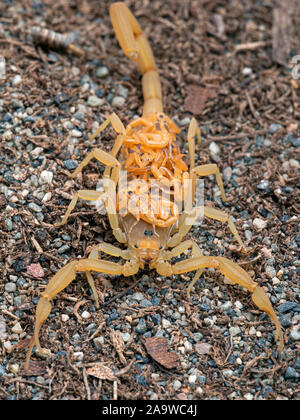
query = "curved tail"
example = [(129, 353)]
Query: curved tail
[(136, 47)]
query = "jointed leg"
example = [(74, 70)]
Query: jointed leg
[(239, 276), (94, 255), (62, 279), (211, 169), (222, 216), (89, 195), (196, 252), (194, 130)]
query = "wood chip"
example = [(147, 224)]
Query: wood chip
[(197, 98), (36, 368), (101, 371), (158, 349), (281, 35)]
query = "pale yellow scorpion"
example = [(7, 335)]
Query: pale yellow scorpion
[(147, 152)]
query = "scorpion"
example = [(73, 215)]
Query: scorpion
[(154, 232)]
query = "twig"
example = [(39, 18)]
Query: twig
[(121, 294)]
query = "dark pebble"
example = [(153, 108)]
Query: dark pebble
[(297, 363), (141, 328), (141, 380), (287, 306), (291, 373), (263, 186), (70, 164), (99, 93), (286, 320), (61, 97), (204, 307)]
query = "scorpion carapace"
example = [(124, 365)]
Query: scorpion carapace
[(145, 213)]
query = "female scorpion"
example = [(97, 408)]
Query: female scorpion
[(148, 223)]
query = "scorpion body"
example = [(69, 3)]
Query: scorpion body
[(152, 227)]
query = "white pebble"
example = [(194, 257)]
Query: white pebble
[(188, 346), (246, 71), (76, 133), (36, 152), (214, 148), (252, 331), (295, 334), (176, 384), (192, 379), (7, 345), (94, 101), (249, 396), (118, 101), (17, 329), (259, 223), (17, 80), (85, 315), (78, 356), (14, 368), (47, 197), (65, 317), (294, 163), (46, 177)]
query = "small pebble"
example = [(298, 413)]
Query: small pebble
[(102, 72), (65, 317), (76, 133), (94, 101), (78, 356), (177, 384), (246, 71), (214, 148), (118, 101), (98, 342), (270, 271), (10, 287), (259, 224), (17, 80), (35, 207), (70, 164), (85, 315), (291, 373), (17, 329), (46, 177), (274, 127), (295, 334)]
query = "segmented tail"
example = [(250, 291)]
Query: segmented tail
[(136, 47)]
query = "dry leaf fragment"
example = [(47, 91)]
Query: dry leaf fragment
[(101, 371), (118, 344), (197, 98), (158, 349)]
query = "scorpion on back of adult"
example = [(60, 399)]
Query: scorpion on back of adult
[(148, 212)]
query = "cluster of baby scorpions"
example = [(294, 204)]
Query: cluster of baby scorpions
[(147, 151)]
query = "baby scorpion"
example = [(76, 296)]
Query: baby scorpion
[(146, 149)]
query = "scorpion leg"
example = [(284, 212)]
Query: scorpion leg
[(89, 195), (239, 276), (211, 169), (196, 252), (62, 279), (94, 255), (222, 216), (115, 122), (101, 156), (194, 130)]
